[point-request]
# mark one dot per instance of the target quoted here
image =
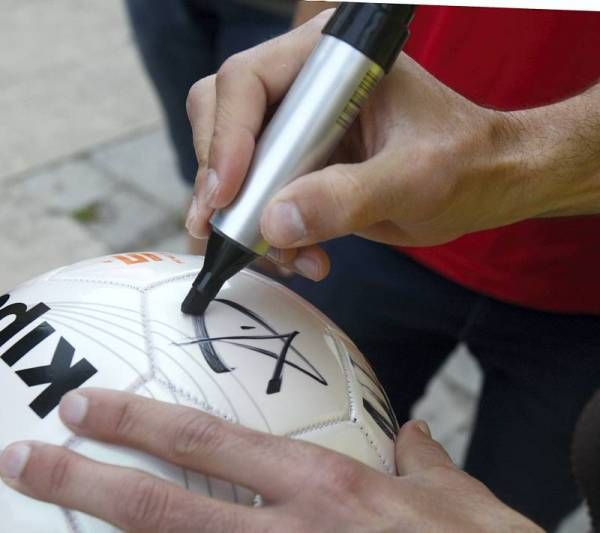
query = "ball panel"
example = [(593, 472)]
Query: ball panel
[(348, 438), (371, 410), (21, 514), (136, 270), (237, 346), (48, 347)]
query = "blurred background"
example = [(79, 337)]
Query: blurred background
[(88, 168)]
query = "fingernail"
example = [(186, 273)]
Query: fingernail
[(212, 185), (13, 460), (284, 223), (307, 267), (192, 215), (73, 408), (423, 427), (274, 254), (193, 224)]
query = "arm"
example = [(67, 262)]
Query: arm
[(422, 165), (557, 149)]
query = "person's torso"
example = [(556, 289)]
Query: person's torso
[(514, 59)]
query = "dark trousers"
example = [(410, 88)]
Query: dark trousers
[(182, 41), (539, 368)]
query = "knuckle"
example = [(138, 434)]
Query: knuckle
[(213, 519), (126, 419), (230, 68), (143, 505), (191, 102), (60, 473), (191, 98), (268, 445), (435, 449), (194, 433), (195, 96), (200, 107), (430, 453), (343, 475)]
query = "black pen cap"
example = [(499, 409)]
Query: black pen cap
[(377, 30)]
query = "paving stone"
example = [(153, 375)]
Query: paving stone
[(33, 242), (146, 162), (455, 443), (176, 244), (67, 187), (450, 402), (77, 30), (85, 88), (577, 522), (127, 222), (462, 370), (449, 408)]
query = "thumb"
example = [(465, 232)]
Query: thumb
[(336, 201), (416, 450)]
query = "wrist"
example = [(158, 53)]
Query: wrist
[(491, 163), (520, 160), (553, 158)]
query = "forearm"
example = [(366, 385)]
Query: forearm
[(556, 154), (307, 10)]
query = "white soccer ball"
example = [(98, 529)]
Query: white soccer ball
[(261, 356)]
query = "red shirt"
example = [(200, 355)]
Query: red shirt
[(513, 59)]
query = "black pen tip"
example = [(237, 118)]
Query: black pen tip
[(224, 258), (274, 386), (195, 303)]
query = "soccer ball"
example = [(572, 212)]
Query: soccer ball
[(260, 356)]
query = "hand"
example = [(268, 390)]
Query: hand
[(261, 264), (422, 165), (307, 10), (321, 491)]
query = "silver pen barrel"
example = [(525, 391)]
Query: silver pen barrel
[(301, 137), (360, 44)]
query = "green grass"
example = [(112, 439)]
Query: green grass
[(87, 214)]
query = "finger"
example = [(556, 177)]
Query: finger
[(197, 222), (190, 438), (201, 107), (416, 450), (312, 262), (333, 202), (129, 499), (247, 84), (270, 268)]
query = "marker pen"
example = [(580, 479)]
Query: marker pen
[(359, 45)]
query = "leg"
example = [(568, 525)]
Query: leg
[(540, 369), (178, 48), (401, 316), (243, 27)]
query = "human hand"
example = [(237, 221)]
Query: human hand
[(320, 490), (421, 166), (307, 10), (261, 264)]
